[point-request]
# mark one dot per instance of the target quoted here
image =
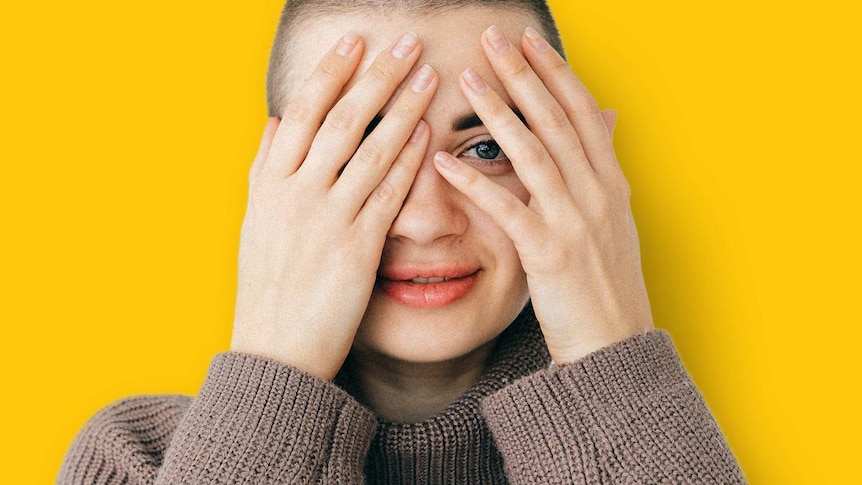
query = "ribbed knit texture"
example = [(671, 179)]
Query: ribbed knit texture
[(626, 414), (124, 442), (255, 421), (456, 446)]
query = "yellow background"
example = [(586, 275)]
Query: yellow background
[(128, 127)]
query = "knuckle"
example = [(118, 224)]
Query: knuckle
[(296, 111), (577, 225), (472, 180), (498, 110), (624, 188), (556, 255), (603, 205), (370, 153), (618, 185), (381, 73), (554, 117), (406, 107), (586, 103), (504, 119), (385, 193), (607, 206), (341, 119), (518, 67), (533, 152), (510, 205), (559, 66), (328, 70), (259, 175)]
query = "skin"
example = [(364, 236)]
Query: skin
[(549, 221)]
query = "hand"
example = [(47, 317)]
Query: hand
[(313, 234), (576, 236)]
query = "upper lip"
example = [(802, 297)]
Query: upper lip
[(410, 272)]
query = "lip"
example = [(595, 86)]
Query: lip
[(397, 283)]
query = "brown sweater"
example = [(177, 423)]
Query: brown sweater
[(628, 413)]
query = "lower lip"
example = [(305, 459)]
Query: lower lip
[(429, 295)]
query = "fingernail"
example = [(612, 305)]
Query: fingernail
[(497, 40), (474, 81), (347, 44), (418, 131), (444, 160), (536, 40), (613, 121), (405, 45), (422, 79)]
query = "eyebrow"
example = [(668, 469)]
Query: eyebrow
[(463, 123), (472, 120)]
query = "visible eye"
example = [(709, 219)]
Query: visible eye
[(487, 156), (487, 150)]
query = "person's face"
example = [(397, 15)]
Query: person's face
[(439, 233)]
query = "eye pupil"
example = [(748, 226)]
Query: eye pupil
[(488, 150)]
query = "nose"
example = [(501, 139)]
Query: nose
[(432, 210)]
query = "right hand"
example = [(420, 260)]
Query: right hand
[(313, 235)]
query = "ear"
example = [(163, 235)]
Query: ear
[(609, 116)]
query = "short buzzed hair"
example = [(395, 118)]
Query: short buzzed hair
[(297, 11)]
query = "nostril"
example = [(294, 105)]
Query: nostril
[(427, 216)]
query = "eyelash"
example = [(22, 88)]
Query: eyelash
[(501, 158)]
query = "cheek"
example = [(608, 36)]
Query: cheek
[(513, 184), (493, 235), (499, 249)]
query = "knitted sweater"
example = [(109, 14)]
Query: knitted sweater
[(628, 413)]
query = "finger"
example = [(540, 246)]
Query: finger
[(576, 100), (543, 114), (382, 206), (344, 126), (517, 220), (308, 106), (372, 161), (263, 150), (530, 159)]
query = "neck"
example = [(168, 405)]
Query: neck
[(409, 392)]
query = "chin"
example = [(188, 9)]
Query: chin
[(429, 335)]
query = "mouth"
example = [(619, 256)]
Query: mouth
[(427, 287), (425, 281)]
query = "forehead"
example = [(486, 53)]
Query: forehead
[(450, 39)]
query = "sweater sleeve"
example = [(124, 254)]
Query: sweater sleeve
[(254, 421), (628, 413)]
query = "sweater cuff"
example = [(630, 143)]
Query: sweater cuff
[(626, 413), (261, 420)]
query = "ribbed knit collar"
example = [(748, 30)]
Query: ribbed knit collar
[(456, 446)]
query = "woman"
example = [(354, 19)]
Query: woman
[(435, 214)]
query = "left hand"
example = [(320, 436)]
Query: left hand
[(576, 236)]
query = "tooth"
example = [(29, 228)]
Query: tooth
[(423, 281)]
